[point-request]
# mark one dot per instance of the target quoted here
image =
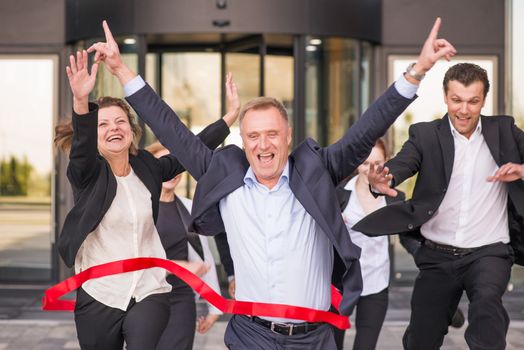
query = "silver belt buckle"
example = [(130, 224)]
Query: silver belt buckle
[(290, 332)]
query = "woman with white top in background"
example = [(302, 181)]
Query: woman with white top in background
[(356, 201)]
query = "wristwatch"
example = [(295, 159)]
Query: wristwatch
[(413, 73)]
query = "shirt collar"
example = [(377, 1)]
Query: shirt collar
[(350, 186), (455, 133), (250, 179)]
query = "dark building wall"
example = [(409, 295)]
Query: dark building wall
[(32, 22), (474, 27), (349, 18)]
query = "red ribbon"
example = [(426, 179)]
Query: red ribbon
[(51, 300)]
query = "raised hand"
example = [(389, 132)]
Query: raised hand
[(507, 173), (433, 50), (81, 81), (379, 179), (109, 53), (233, 101)]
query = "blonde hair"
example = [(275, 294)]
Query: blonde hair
[(262, 103), (64, 130)]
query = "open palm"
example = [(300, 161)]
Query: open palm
[(81, 82)]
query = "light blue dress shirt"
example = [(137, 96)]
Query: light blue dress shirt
[(280, 253)]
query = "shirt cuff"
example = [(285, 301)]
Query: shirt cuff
[(405, 88), (230, 278), (136, 84)]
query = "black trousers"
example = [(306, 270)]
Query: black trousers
[(369, 318), (179, 333), (102, 327), (443, 277), (243, 334)]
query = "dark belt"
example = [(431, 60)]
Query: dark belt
[(286, 328), (449, 249)]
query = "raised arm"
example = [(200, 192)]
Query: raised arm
[(83, 153), (192, 153), (344, 156)]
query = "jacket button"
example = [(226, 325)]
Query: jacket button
[(444, 190), (410, 226), (430, 212)]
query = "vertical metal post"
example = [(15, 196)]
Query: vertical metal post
[(299, 87)]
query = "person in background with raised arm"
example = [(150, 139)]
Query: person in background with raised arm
[(180, 244), (356, 201), (279, 209)]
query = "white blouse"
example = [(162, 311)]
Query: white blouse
[(374, 258), (126, 231)]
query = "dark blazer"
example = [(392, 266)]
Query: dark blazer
[(94, 185), (429, 152), (314, 171), (343, 196)]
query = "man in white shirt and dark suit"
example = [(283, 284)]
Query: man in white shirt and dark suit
[(279, 210), (468, 204)]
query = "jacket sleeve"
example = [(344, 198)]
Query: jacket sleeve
[(407, 162), (344, 156), (224, 253), (190, 151), (83, 155), (212, 136)]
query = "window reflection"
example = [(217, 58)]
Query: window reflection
[(332, 87), (26, 164)]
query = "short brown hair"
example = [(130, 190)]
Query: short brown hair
[(466, 74), (263, 103)]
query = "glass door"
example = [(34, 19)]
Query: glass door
[(29, 109)]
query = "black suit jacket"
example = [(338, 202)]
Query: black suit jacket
[(94, 185), (314, 171), (429, 152)]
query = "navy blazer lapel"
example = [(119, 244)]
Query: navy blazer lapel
[(304, 196), (207, 197), (447, 145), (490, 131)]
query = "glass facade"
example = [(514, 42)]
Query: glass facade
[(333, 87), (516, 74), (27, 118)]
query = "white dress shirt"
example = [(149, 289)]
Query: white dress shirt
[(126, 231), (374, 256), (473, 212)]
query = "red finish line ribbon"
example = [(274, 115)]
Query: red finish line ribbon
[(51, 300)]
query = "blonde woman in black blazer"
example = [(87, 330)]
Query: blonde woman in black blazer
[(116, 190)]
